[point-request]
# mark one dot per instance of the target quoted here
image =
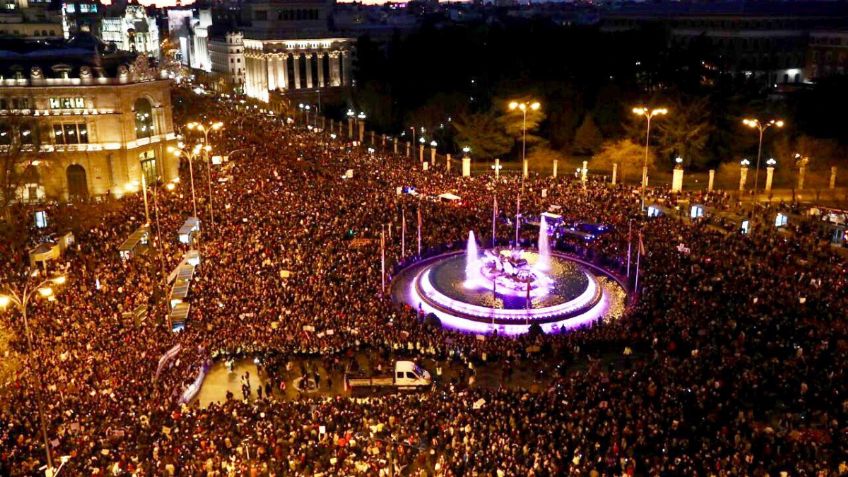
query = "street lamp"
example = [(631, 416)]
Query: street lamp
[(305, 108), (190, 155), (648, 114), (205, 129), (20, 299), (523, 107), (761, 127)]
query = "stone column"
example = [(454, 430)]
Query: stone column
[(272, 72), (833, 177), (346, 70), (309, 58), (802, 173), (769, 178), (556, 169), (743, 176), (334, 69), (525, 168), (408, 149), (361, 131), (447, 162), (584, 172), (320, 59), (350, 128), (712, 180), (433, 156), (466, 166), (677, 179), (296, 60), (394, 145), (372, 138), (614, 173), (384, 141), (420, 153), (497, 168)]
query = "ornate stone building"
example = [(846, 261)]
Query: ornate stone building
[(76, 125), (289, 49), (291, 65)]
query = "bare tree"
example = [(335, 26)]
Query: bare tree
[(20, 146)]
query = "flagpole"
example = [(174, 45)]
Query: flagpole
[(494, 219), (403, 233), (638, 257), (629, 243), (517, 210), (419, 230), (383, 258)]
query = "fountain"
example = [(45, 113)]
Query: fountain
[(471, 254), (543, 264), (507, 288)]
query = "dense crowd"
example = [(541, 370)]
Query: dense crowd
[(735, 361)]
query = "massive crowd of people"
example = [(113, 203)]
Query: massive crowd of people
[(736, 346)]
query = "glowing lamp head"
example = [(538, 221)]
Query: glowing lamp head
[(433, 144), (60, 280), (751, 123), (422, 140), (513, 105), (207, 148), (4, 301), (535, 106), (192, 125), (466, 149), (640, 111), (45, 292), (170, 186), (779, 123), (659, 112), (361, 116), (217, 125), (678, 160), (745, 163), (350, 113), (771, 162)]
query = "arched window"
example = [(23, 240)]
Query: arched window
[(143, 118)]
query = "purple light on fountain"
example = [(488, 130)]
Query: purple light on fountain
[(472, 257), (543, 264)]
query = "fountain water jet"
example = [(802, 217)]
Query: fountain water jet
[(471, 256), (544, 262)]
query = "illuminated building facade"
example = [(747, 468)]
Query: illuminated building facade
[(135, 31), (288, 49), (83, 125)]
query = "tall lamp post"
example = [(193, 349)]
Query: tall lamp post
[(190, 155), (524, 107), (305, 108), (761, 127), (648, 114), (20, 299), (205, 129)]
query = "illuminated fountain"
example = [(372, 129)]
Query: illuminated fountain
[(508, 289)]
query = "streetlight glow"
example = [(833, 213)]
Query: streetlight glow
[(4, 301), (45, 291), (745, 162), (771, 162), (433, 143)]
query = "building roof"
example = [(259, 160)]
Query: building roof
[(52, 58)]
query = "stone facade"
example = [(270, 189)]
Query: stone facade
[(86, 131), (291, 65)]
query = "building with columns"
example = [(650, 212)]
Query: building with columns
[(288, 49), (81, 119), (292, 65)]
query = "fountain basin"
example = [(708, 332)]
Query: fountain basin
[(570, 294)]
